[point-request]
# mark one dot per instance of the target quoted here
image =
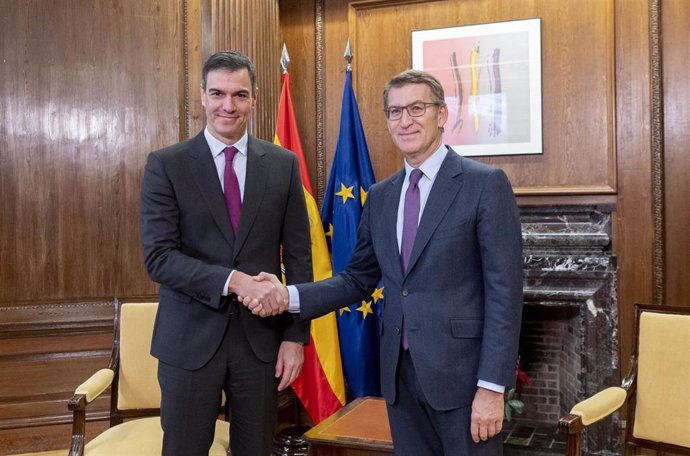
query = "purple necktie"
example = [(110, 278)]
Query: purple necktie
[(231, 188), (410, 220)]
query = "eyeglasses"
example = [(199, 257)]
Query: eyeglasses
[(416, 109)]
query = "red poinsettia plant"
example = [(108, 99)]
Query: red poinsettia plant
[(513, 404)]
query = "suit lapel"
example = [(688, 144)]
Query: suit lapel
[(254, 187), (206, 177), (390, 220), (444, 191)]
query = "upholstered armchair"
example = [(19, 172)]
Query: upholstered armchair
[(656, 390), (135, 396)]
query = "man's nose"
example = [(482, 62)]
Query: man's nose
[(228, 104), (406, 118)]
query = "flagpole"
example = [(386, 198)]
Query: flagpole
[(297, 417)]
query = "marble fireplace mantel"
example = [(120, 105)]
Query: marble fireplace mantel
[(568, 265)]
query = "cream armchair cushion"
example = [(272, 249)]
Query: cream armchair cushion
[(662, 412), (143, 437), (138, 387)]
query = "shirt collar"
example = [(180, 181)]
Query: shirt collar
[(431, 165), (217, 146)]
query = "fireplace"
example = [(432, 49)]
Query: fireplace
[(569, 340)]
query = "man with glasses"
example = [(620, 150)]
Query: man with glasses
[(450, 256)]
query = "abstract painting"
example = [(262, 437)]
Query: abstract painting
[(491, 76)]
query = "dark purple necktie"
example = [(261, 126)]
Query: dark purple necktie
[(410, 218), (231, 188), (410, 221)]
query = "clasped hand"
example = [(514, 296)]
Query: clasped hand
[(263, 294)]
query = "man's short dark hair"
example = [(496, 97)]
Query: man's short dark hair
[(415, 77), (229, 61)]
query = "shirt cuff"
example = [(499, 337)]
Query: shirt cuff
[(227, 284), (293, 294), (491, 386)]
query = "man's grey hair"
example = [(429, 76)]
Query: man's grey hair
[(415, 77)]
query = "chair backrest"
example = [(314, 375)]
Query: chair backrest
[(138, 371), (662, 399)]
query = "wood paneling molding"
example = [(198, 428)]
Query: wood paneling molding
[(35, 319), (657, 147), (319, 13)]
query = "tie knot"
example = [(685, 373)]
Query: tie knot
[(415, 175), (230, 152)]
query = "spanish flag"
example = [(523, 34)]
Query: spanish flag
[(320, 385)]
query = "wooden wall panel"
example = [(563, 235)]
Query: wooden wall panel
[(253, 28), (46, 351), (633, 228), (578, 88), (297, 19), (88, 88), (676, 55), (336, 34)]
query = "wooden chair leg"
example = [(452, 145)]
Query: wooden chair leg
[(573, 444)]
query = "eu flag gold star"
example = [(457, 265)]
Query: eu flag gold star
[(345, 192), (362, 195), (330, 230), (344, 309), (365, 308), (377, 294)]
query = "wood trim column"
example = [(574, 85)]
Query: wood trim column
[(657, 146)]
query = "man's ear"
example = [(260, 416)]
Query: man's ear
[(442, 115)]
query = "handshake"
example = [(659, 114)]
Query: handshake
[(263, 294)]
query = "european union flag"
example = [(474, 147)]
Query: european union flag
[(350, 178)]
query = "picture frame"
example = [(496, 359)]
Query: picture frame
[(491, 76)]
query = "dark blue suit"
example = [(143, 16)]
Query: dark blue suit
[(190, 249), (461, 296)]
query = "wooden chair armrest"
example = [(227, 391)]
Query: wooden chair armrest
[(84, 395), (587, 412), (601, 405), (95, 385)]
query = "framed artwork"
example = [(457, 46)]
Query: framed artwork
[(491, 76)]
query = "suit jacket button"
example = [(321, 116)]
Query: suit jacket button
[(405, 293), (397, 330)]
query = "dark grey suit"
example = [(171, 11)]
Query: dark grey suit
[(190, 249), (461, 296)]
